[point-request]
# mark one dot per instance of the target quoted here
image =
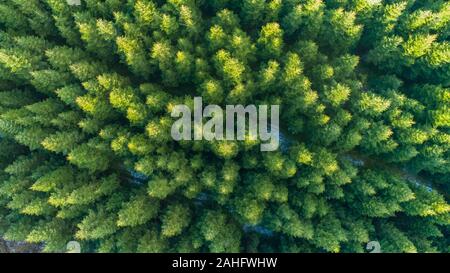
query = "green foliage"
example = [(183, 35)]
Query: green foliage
[(175, 218), (86, 94), (138, 211)]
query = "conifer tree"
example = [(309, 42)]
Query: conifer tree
[(86, 154)]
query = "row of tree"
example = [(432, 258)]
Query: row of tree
[(86, 154)]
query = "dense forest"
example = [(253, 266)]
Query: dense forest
[(86, 92)]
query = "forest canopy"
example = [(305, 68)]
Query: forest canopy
[(86, 154)]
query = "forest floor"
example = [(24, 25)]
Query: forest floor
[(18, 247)]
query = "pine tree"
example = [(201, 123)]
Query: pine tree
[(86, 154)]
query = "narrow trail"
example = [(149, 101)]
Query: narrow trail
[(362, 160)]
